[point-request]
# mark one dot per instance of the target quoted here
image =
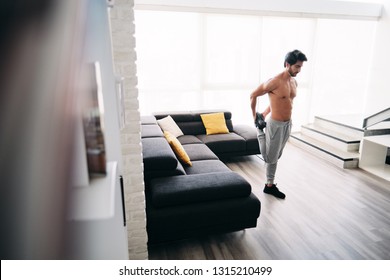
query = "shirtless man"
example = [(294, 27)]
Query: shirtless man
[(281, 91)]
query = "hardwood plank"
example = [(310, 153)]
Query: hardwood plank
[(329, 213)]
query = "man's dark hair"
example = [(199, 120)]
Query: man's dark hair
[(294, 56)]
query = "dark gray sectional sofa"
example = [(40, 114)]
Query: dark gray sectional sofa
[(207, 197)]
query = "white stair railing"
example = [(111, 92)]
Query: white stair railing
[(377, 118)]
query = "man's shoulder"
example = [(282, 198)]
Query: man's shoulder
[(276, 79)]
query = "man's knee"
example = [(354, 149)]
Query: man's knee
[(270, 161), (271, 158), (261, 137)]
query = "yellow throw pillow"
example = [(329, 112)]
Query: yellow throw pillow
[(177, 148), (214, 123)]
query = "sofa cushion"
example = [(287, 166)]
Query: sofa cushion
[(177, 148), (177, 116), (192, 128), (189, 139), (184, 221), (148, 120), (224, 143), (151, 174), (151, 130), (197, 113), (168, 124), (179, 190), (199, 152), (250, 135), (206, 166), (191, 123), (157, 154), (227, 115), (214, 123)]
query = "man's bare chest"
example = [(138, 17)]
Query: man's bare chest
[(285, 91)]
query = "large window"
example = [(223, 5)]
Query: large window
[(189, 61), (342, 64), (168, 60)]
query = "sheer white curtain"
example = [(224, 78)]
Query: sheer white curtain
[(342, 63), (279, 36), (191, 61), (231, 68), (168, 60)]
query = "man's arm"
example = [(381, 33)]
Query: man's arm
[(263, 88), (266, 111)]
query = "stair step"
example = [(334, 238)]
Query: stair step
[(347, 125), (352, 122), (342, 140), (334, 155)]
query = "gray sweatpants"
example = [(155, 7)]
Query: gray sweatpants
[(272, 143)]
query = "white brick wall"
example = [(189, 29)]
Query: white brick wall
[(122, 29)]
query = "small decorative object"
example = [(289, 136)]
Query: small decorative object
[(93, 122), (120, 100)]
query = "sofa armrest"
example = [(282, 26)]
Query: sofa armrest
[(157, 154), (249, 133), (245, 131), (197, 188)]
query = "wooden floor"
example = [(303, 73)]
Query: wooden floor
[(328, 213)]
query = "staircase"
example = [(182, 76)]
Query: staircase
[(337, 139), (333, 138)]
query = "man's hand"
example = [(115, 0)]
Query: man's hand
[(259, 121)]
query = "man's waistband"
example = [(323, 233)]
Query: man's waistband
[(278, 123)]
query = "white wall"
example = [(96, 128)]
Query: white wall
[(122, 30), (378, 91)]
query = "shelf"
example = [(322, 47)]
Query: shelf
[(383, 140), (97, 200), (373, 155), (382, 171)]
